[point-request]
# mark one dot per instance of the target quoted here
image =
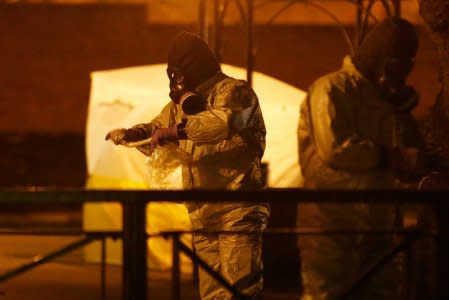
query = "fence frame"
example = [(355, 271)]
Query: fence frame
[(134, 218)]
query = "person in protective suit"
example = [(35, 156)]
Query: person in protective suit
[(218, 122), (356, 132)]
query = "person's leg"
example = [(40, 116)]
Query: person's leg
[(206, 246), (241, 254), (328, 262), (388, 281), (241, 260)]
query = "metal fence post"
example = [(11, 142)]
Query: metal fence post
[(176, 274), (103, 268), (202, 20), (250, 41), (134, 249), (397, 8), (359, 23), (442, 212)]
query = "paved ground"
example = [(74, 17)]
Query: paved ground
[(69, 278), (68, 281)]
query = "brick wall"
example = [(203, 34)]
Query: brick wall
[(48, 52)]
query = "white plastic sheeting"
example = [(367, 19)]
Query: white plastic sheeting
[(125, 97)]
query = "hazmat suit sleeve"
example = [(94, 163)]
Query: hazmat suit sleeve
[(165, 118), (333, 117), (213, 125)]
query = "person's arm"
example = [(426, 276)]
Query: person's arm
[(163, 120), (144, 130), (415, 159), (213, 124), (334, 121)]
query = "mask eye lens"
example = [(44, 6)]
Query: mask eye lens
[(171, 75), (400, 66), (402, 61), (175, 76)]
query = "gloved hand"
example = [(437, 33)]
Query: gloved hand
[(162, 135), (434, 181), (408, 160), (123, 135)]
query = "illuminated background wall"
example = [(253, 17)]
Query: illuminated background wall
[(48, 51)]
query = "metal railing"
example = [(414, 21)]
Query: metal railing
[(134, 230), (85, 239)]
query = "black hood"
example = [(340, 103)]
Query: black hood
[(190, 55), (392, 38)]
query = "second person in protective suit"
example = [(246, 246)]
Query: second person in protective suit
[(356, 132), (217, 121)]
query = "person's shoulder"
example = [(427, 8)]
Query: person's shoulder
[(339, 81), (336, 78), (232, 85), (232, 82), (169, 106)]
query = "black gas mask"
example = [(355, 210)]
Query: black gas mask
[(191, 102), (386, 56), (393, 85)]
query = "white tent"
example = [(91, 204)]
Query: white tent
[(124, 97)]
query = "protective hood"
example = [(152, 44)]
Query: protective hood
[(392, 38), (190, 55)]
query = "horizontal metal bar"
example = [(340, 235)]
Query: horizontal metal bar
[(271, 231), (65, 196), (301, 231), (39, 232)]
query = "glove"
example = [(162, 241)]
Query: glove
[(409, 160), (162, 135), (434, 181), (122, 135)]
